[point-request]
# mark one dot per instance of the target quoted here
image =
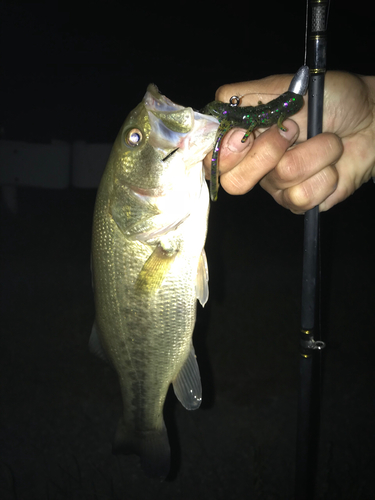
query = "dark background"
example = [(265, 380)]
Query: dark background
[(73, 73)]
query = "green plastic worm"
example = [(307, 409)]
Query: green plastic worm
[(249, 117)]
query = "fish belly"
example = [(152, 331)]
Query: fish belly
[(146, 336)]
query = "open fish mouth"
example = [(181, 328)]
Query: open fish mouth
[(157, 103), (169, 122), (174, 126)]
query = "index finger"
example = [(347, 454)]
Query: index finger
[(253, 91)]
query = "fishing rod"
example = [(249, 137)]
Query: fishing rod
[(308, 401)]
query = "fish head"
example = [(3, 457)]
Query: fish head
[(144, 149)]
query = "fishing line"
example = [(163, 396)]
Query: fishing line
[(240, 96)]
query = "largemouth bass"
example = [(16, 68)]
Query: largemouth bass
[(149, 267)]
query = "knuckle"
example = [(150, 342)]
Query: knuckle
[(331, 146), (313, 191), (271, 147), (337, 146), (299, 162), (297, 198), (292, 165), (233, 183), (333, 175)]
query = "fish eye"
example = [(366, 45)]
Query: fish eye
[(133, 137)]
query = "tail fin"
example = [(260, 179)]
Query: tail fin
[(152, 447)]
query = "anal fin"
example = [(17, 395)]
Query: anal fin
[(187, 385)]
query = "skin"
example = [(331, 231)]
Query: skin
[(299, 173)]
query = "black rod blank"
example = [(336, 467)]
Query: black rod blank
[(308, 404)]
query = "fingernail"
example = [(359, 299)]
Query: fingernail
[(290, 130), (234, 143)]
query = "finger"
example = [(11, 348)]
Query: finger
[(310, 193), (256, 90), (265, 153), (306, 174), (344, 188), (232, 151), (303, 161)]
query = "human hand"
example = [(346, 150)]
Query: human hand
[(297, 172)]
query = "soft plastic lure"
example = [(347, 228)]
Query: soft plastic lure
[(250, 117)]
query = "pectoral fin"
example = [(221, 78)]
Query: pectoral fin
[(155, 269), (201, 285), (187, 385)]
